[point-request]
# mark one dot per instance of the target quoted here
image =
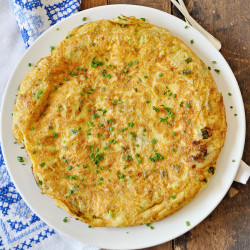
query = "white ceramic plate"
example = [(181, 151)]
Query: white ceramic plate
[(174, 225)]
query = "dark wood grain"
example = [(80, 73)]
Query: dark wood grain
[(228, 226), (86, 4)]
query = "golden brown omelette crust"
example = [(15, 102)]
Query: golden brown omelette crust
[(122, 121)]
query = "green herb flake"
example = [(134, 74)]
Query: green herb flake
[(131, 134), (55, 134), (191, 41), (84, 18), (187, 223), (155, 109), (188, 60), (217, 71), (42, 164), (20, 159), (65, 220), (94, 63)]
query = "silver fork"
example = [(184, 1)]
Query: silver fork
[(182, 8)]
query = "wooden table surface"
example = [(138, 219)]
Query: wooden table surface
[(228, 226)]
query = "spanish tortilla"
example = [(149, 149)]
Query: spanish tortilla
[(122, 121)]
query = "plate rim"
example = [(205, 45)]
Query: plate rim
[(9, 85)]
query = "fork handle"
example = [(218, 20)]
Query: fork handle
[(216, 43)]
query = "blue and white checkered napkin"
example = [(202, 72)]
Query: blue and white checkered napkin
[(35, 16), (20, 228)]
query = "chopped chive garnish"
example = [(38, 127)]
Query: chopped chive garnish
[(217, 71), (186, 27), (191, 41), (209, 67), (131, 134), (213, 62), (147, 101), (145, 77), (155, 109), (20, 159), (187, 223), (42, 164), (55, 134), (65, 220), (143, 19), (160, 74), (84, 18), (29, 64)]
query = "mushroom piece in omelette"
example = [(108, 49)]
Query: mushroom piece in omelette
[(123, 123)]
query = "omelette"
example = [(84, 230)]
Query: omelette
[(123, 123)]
